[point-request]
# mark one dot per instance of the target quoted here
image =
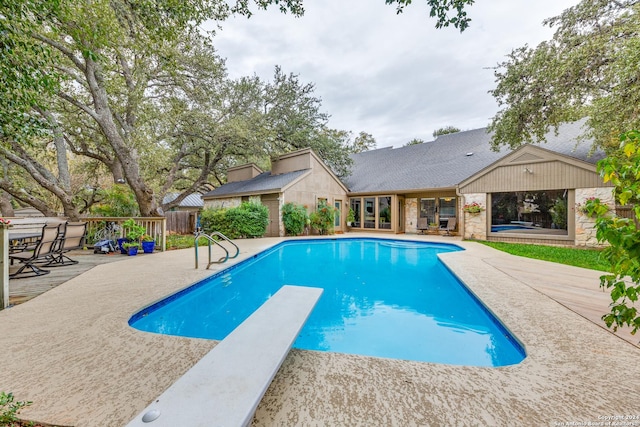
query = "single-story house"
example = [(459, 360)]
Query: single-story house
[(300, 177), (529, 194)]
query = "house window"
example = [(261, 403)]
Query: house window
[(530, 212), (384, 213), (372, 212), (428, 210), (447, 209)]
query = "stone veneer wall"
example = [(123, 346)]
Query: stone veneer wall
[(475, 225), (230, 202), (411, 215), (585, 225)]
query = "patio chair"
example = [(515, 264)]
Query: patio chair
[(423, 224), (449, 226), (71, 237), (43, 251)]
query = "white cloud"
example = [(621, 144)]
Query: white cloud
[(394, 76)]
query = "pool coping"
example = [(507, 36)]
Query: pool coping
[(72, 353)]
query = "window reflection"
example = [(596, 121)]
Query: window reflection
[(369, 212), (384, 213), (530, 212)]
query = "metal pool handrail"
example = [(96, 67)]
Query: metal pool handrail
[(210, 240), (225, 238)]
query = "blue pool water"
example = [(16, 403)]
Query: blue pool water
[(509, 227), (383, 298)]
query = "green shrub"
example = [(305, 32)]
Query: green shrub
[(9, 409), (246, 220), (215, 220), (294, 218), (322, 219), (253, 220)]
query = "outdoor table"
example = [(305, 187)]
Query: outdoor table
[(18, 240)]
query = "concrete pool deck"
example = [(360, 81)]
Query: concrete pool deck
[(71, 352)]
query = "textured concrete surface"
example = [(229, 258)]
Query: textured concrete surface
[(197, 398), (72, 353)]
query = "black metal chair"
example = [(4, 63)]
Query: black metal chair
[(71, 237), (42, 251)]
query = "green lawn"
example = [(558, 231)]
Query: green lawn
[(586, 258)]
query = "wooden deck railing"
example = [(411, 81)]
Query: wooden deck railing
[(103, 227)]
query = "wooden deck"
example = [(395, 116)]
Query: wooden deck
[(22, 290)]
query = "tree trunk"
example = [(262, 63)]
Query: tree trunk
[(126, 155), (6, 208)]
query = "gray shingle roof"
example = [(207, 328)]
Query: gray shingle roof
[(444, 162), (263, 183), (192, 200)]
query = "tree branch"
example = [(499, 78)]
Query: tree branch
[(78, 104)]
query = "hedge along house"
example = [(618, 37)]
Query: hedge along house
[(529, 194), (299, 177)]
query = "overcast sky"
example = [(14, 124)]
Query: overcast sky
[(393, 76)]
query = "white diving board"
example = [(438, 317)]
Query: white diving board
[(225, 387)]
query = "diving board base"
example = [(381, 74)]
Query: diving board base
[(225, 387)]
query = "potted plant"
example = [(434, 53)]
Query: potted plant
[(134, 234), (148, 244), (131, 248), (473, 208), (121, 242), (351, 217)]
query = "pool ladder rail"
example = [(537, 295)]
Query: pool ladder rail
[(211, 238)]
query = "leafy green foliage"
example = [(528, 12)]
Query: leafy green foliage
[(133, 231), (118, 200), (363, 142), (585, 258), (180, 241), (9, 409), (351, 216), (445, 131), (215, 220), (588, 69), (622, 169), (559, 213), (414, 141), (25, 79), (440, 10), (246, 220), (294, 218), (323, 218)]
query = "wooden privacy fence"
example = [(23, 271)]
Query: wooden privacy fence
[(181, 222), (99, 228)]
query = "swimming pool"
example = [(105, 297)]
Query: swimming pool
[(382, 298)]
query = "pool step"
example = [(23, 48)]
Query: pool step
[(225, 387)]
